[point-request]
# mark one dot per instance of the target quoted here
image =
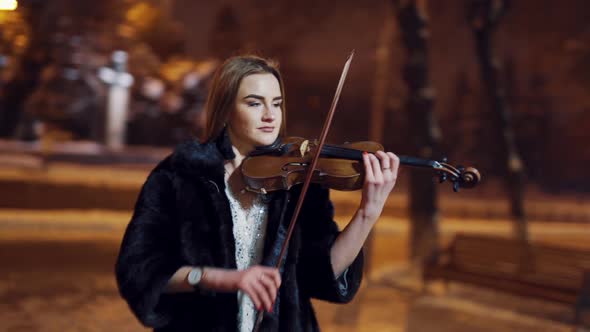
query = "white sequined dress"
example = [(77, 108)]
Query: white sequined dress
[(249, 227)]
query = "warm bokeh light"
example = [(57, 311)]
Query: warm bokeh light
[(8, 4), (142, 15)]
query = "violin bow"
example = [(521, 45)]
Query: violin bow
[(309, 174)]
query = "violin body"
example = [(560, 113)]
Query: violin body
[(280, 171), (340, 167)]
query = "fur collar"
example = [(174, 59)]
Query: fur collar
[(206, 159)]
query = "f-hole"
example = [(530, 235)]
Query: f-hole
[(286, 166)]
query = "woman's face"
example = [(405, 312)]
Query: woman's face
[(257, 114)]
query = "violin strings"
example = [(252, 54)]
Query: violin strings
[(341, 152), (333, 151)]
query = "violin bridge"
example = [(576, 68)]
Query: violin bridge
[(304, 147)]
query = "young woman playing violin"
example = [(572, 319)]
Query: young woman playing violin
[(198, 252)]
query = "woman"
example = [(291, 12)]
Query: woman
[(198, 252)]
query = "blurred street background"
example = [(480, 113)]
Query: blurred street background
[(94, 94)]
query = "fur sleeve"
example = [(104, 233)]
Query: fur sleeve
[(146, 259), (319, 231)]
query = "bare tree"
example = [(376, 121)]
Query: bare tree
[(425, 133), (484, 16)]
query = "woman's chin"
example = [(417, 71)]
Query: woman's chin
[(266, 140)]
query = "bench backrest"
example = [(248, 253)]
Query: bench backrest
[(506, 258)]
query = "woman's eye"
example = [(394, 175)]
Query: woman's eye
[(253, 104), (278, 105)]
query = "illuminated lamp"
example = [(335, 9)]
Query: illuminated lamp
[(8, 4)]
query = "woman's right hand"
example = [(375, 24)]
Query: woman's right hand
[(261, 283)]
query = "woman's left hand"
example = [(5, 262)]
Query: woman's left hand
[(381, 171), (380, 175)]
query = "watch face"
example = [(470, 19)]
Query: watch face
[(194, 276)]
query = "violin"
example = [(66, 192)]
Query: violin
[(285, 163)]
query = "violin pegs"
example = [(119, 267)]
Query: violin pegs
[(456, 186)]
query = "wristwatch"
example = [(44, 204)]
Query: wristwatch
[(194, 276)]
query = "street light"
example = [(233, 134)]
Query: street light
[(8, 4)]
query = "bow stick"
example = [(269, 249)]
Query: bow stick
[(309, 174)]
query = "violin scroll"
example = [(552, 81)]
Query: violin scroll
[(461, 177)]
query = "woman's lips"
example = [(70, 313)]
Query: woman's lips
[(267, 129)]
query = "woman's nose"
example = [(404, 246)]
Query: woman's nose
[(268, 115)]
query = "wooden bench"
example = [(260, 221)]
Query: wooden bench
[(535, 270)]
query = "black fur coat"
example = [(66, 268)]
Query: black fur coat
[(182, 217)]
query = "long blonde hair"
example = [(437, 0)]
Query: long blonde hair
[(224, 89)]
